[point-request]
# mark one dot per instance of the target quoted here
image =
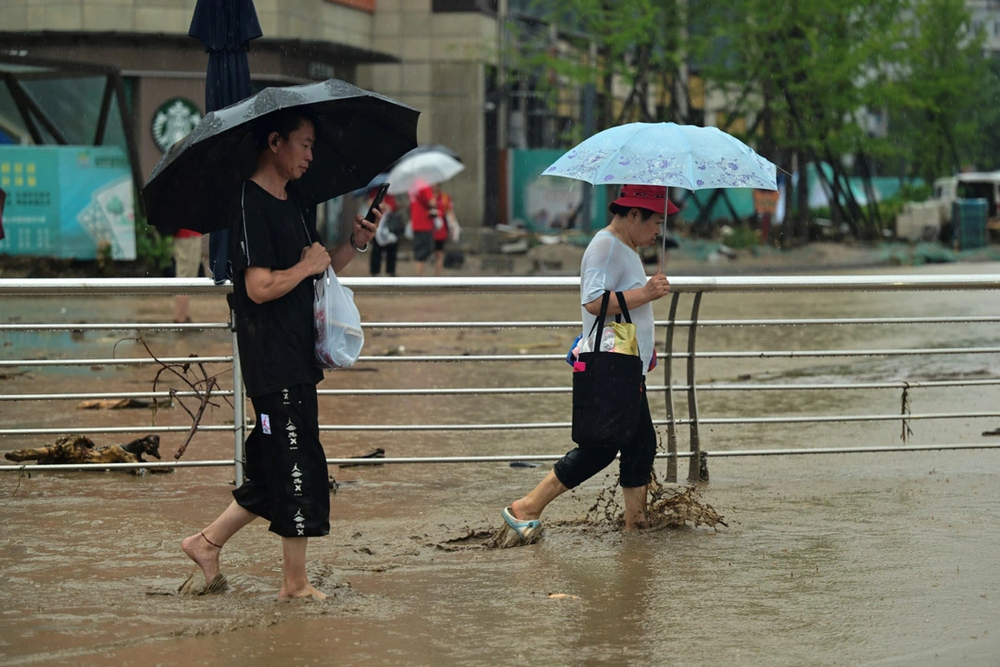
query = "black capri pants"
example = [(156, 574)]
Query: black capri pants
[(637, 457), (287, 481)]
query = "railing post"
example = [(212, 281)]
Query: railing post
[(239, 407), (697, 468), (668, 374)]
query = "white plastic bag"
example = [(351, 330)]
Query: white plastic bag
[(454, 229), (383, 236), (339, 338)]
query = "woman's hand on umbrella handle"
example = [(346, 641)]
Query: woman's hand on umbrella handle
[(656, 287)]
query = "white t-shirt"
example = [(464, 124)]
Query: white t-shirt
[(609, 264)]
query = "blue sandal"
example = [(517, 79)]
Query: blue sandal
[(526, 530)]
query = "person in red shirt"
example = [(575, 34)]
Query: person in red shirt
[(422, 207), (442, 227)]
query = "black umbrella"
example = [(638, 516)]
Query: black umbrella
[(194, 186), (225, 28)]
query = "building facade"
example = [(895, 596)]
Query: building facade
[(431, 54)]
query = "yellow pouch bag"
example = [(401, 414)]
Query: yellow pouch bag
[(616, 337), (625, 342)]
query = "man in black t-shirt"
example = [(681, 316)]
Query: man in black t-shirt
[(276, 254)]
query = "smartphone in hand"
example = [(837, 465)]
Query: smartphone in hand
[(379, 196)]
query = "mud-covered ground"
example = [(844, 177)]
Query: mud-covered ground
[(878, 559), (830, 559)]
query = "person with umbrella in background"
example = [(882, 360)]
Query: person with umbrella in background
[(611, 262), (276, 253), (419, 174), (443, 213)]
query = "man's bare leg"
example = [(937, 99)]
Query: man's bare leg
[(438, 262), (532, 505), (418, 268), (181, 302), (204, 546), (295, 584), (635, 507)]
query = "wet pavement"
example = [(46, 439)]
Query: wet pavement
[(875, 559)]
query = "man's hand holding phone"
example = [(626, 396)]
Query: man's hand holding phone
[(379, 196)]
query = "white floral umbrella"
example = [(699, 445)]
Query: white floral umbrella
[(668, 154), (682, 156)]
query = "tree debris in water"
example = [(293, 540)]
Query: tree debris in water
[(669, 506), (81, 449)]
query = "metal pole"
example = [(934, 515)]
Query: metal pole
[(502, 97), (695, 464), (239, 408), (668, 373)]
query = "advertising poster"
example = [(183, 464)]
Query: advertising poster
[(67, 201), (550, 203)]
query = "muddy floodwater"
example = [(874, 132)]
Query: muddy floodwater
[(833, 559)]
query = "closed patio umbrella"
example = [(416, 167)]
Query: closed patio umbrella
[(225, 28)]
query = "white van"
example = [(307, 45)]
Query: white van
[(973, 185)]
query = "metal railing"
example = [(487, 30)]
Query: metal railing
[(688, 355)]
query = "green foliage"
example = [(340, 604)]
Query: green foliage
[(940, 71), (636, 43), (743, 237), (800, 80), (153, 252)]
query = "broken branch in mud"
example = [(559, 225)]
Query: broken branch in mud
[(669, 506), (376, 453), (81, 449), (121, 404), (202, 387)]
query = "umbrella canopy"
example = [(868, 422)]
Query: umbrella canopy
[(425, 148), (682, 156), (430, 148), (429, 168), (358, 133)]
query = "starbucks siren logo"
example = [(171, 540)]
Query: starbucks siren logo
[(173, 120)]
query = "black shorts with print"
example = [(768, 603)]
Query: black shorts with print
[(287, 481)]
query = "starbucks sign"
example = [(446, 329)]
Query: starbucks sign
[(173, 120)]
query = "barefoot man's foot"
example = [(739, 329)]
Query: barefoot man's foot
[(204, 553), (309, 592)]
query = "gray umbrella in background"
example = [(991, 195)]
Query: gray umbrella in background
[(225, 28)]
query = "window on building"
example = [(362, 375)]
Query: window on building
[(485, 6)]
